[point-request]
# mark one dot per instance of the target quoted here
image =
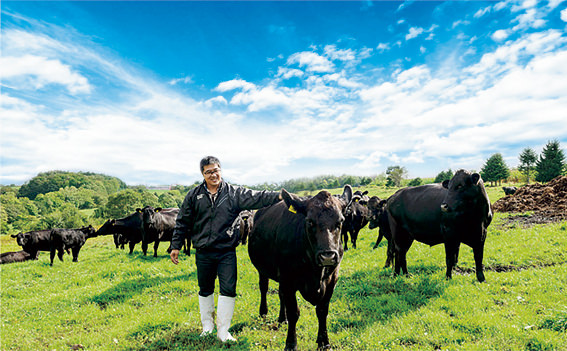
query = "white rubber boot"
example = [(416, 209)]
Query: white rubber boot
[(225, 310), (207, 308)]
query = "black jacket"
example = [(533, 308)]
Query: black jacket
[(208, 225)]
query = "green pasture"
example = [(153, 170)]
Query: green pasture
[(110, 300)]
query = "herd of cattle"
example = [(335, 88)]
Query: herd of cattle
[(300, 241)]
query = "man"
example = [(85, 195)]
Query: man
[(206, 217)]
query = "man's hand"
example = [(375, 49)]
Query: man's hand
[(174, 256)]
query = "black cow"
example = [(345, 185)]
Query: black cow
[(244, 223), (16, 256), (157, 225), (458, 211), (509, 190), (355, 219), (34, 241), (297, 243), (125, 230), (65, 239), (378, 218)]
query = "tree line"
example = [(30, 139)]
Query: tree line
[(59, 199), (543, 168)]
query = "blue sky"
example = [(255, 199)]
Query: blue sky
[(277, 90)]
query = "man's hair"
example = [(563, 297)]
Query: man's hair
[(209, 160)]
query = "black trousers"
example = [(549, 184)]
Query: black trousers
[(213, 264)]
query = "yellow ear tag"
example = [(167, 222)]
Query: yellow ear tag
[(356, 200), (292, 209)]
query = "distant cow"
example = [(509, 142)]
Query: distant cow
[(297, 243), (34, 241), (244, 222), (458, 211), (17, 256), (378, 218), (157, 225), (127, 229), (355, 219), (509, 190), (74, 239)]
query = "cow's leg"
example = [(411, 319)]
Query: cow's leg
[(75, 251), (322, 310), (478, 251), (402, 242), (60, 253), (282, 318), (144, 247), (156, 245), (34, 255), (353, 237), (451, 251), (131, 245), (344, 236), (292, 317), (51, 255), (390, 253), (379, 239), (264, 283)]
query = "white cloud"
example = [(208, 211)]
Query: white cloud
[(312, 61), (287, 73), (235, 84), (414, 32), (34, 72), (383, 47), (185, 80), (564, 15), (333, 53), (499, 35)]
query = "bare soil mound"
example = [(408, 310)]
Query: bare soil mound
[(547, 201)]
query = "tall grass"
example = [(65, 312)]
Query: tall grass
[(110, 300)]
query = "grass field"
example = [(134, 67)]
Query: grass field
[(110, 300)]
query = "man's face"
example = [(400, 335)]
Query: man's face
[(212, 175)]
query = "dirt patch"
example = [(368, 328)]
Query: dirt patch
[(548, 202)]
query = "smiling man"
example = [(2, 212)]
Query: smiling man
[(206, 217)]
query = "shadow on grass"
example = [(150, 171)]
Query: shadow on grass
[(126, 290), (175, 337), (374, 296)]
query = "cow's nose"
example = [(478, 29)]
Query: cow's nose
[(444, 207), (329, 258)]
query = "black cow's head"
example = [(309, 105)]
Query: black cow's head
[(107, 228), (89, 231), (148, 214), (465, 193), (376, 209), (23, 239), (324, 216)]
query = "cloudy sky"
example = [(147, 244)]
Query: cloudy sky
[(277, 90)]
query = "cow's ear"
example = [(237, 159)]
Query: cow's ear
[(294, 203), (365, 192), (14, 236), (158, 209), (113, 221), (445, 184), (347, 194), (138, 210), (475, 177)]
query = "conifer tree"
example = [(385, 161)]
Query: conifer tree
[(551, 162), (495, 169), (528, 159)]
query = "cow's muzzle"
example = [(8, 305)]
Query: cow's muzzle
[(328, 258)]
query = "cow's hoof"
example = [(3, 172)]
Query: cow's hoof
[(326, 347), (290, 348)]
